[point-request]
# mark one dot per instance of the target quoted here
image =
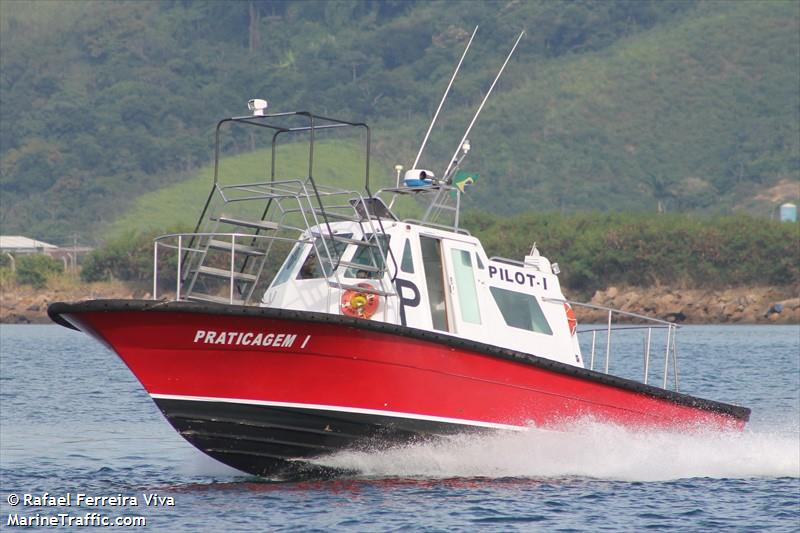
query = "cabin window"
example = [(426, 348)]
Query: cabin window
[(480, 263), (434, 279), (465, 286), (289, 265), (521, 310), (370, 256), (407, 263), (314, 267)]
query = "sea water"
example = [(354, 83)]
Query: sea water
[(74, 421)]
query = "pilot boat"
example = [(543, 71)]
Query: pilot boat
[(300, 319)]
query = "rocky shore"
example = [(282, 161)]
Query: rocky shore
[(741, 305), (21, 304)]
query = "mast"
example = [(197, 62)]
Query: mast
[(444, 97), (453, 162)]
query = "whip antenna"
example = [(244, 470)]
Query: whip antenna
[(478, 112), (444, 97)]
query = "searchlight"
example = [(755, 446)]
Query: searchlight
[(257, 106)]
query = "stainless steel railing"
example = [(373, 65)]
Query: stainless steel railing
[(275, 211), (177, 242), (633, 322)]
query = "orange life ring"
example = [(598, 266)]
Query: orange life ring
[(571, 320), (360, 304)]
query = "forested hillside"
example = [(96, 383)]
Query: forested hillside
[(606, 105)]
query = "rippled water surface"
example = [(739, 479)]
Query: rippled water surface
[(74, 420)]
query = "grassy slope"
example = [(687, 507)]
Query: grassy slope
[(698, 114), (339, 164)]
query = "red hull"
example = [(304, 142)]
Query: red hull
[(349, 366)]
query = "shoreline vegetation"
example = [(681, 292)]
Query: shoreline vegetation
[(678, 267)]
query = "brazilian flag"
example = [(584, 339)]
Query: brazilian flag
[(464, 180)]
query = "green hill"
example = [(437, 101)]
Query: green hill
[(606, 106), (700, 114)]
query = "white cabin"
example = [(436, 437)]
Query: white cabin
[(433, 280)]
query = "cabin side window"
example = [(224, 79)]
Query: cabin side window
[(407, 263), (521, 310), (465, 286)]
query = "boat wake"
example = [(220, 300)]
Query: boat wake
[(588, 449)]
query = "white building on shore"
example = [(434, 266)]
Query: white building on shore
[(17, 244)]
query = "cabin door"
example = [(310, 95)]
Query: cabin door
[(465, 305)]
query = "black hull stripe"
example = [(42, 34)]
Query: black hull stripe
[(272, 441), (335, 429), (56, 310), (332, 410)]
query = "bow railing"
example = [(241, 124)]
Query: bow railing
[(620, 329)]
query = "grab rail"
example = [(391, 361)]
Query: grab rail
[(498, 259)]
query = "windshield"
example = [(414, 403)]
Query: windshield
[(369, 255), (319, 267), (289, 265)]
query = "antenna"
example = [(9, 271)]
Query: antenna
[(444, 97), (480, 108)]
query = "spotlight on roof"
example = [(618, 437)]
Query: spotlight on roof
[(257, 106)]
